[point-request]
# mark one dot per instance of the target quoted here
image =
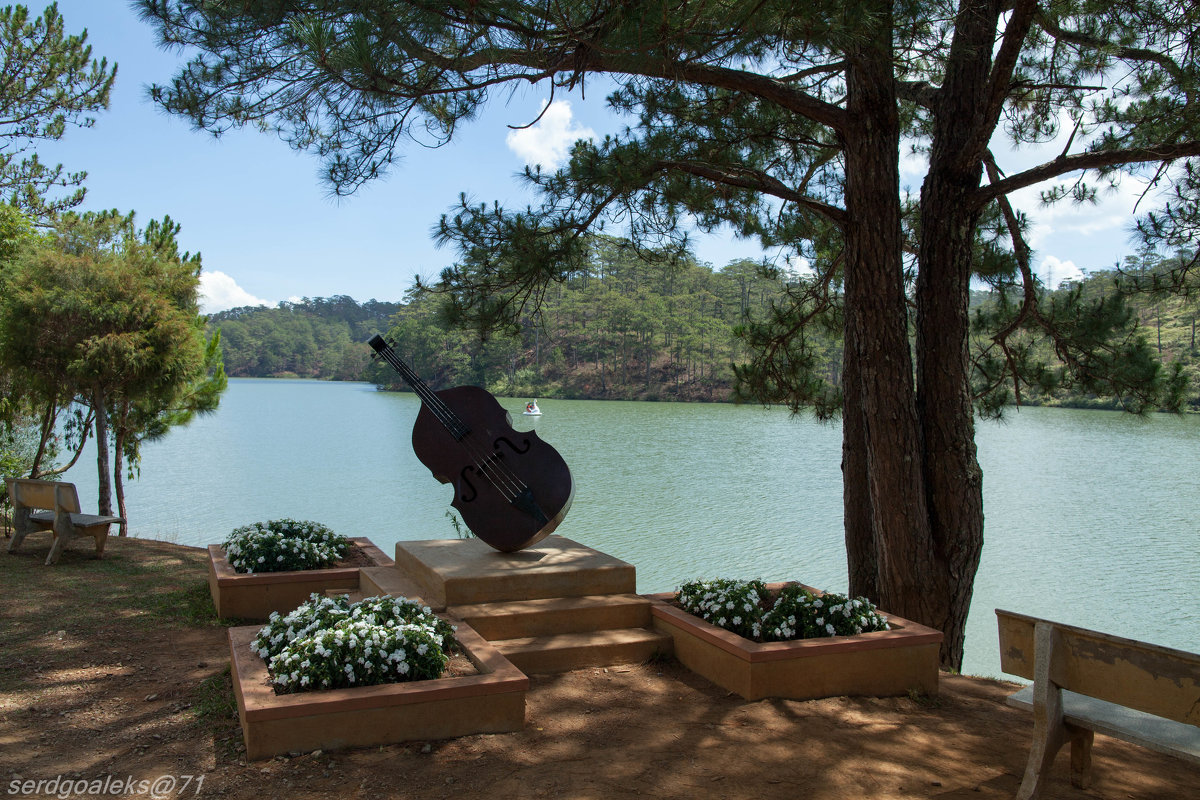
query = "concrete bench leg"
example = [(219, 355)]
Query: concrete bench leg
[(61, 540), (101, 537), (1050, 731), (15, 541), (1081, 756), (56, 549), (21, 527)]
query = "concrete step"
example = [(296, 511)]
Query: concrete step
[(379, 581), (455, 572), (514, 619), (561, 652), (354, 596)]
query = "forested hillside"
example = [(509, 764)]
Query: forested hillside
[(622, 329), (629, 329), (314, 338), (1163, 317)]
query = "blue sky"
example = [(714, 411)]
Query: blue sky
[(269, 230)]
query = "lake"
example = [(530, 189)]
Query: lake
[(1092, 517)]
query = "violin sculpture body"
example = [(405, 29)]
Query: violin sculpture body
[(511, 488)]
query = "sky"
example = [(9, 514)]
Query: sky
[(269, 229)]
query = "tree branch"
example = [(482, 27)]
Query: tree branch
[(1098, 159), (759, 182), (1123, 52)]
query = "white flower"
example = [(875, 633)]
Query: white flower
[(830, 628)]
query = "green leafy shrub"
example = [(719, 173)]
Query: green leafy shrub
[(748, 609), (283, 545), (331, 643)]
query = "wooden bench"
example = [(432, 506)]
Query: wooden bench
[(53, 506), (1085, 681)]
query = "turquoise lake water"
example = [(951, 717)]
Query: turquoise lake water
[(1092, 517)]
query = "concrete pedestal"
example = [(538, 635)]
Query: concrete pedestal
[(454, 572)]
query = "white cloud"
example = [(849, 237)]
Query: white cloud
[(548, 142), (801, 267), (220, 292), (1053, 272)]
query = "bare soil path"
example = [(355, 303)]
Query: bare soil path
[(116, 669)]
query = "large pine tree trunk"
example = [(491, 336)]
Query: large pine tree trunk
[(952, 473), (856, 495), (949, 216), (883, 475)]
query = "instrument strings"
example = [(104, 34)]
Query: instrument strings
[(491, 468)]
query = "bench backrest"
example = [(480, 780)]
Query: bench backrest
[(41, 494), (1145, 677)]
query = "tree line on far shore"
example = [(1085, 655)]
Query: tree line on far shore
[(627, 328), (322, 337)]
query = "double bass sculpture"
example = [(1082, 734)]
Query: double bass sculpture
[(511, 489)]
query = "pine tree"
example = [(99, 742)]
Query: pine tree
[(108, 314), (50, 82)]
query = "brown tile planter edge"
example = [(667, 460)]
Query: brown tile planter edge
[(760, 669), (491, 702), (246, 595)]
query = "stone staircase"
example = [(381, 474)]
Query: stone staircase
[(557, 634), (562, 607), (555, 607)]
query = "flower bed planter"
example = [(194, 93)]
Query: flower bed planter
[(254, 596), (491, 702), (878, 664)]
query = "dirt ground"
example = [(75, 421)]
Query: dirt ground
[(116, 670)]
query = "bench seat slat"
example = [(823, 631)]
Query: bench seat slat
[(92, 520), (78, 520), (1154, 733)]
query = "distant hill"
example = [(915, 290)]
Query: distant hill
[(322, 337), (621, 331)]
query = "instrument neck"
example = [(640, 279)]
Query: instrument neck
[(457, 428)]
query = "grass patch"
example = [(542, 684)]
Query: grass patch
[(213, 700), (191, 605), (150, 584), (215, 709)]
